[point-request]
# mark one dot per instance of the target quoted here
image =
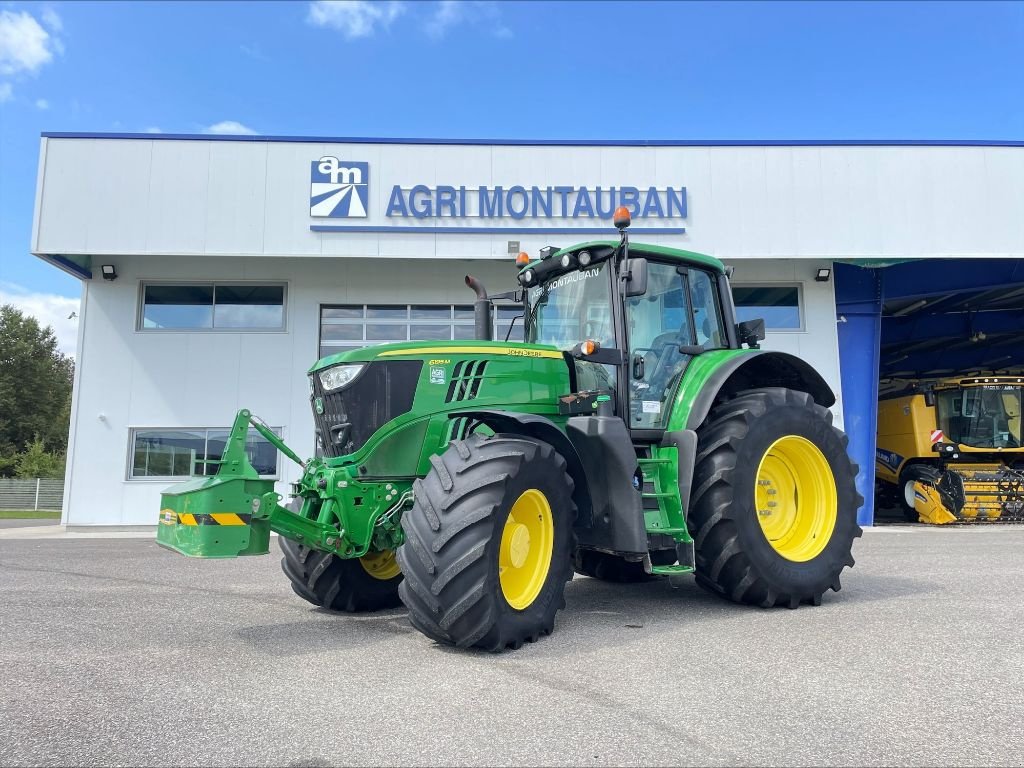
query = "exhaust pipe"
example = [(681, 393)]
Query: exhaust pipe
[(483, 311)]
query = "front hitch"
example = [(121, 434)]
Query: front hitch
[(233, 512)]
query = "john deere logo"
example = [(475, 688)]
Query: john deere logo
[(338, 189)]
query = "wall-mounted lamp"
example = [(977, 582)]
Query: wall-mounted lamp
[(823, 275), (108, 271)]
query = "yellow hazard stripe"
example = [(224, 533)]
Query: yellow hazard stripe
[(508, 351), (169, 517), (227, 518)]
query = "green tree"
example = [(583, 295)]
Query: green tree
[(35, 387), (36, 461)]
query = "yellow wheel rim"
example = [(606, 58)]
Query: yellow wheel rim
[(796, 501), (380, 565), (527, 542)]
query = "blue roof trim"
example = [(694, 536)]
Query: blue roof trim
[(493, 230), (545, 142), (67, 265)]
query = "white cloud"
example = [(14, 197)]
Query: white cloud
[(52, 20), (354, 18), (153, 129), (49, 309), (451, 13), (230, 127), (24, 45), (42, 104), (5, 92)]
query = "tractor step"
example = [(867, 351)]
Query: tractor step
[(669, 531), (671, 570)]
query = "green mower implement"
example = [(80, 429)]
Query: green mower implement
[(640, 432)]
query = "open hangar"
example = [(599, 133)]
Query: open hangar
[(911, 324)]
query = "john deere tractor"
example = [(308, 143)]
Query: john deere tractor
[(639, 432)]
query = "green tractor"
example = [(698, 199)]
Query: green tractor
[(639, 432)]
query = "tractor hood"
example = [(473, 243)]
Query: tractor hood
[(437, 352)]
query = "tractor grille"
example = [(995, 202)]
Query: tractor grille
[(382, 391), (466, 379)]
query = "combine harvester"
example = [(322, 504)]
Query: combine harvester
[(632, 436), (951, 451)]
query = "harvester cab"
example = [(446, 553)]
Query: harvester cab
[(951, 451), (638, 432)]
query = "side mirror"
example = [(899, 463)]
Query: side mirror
[(750, 332), (636, 277)]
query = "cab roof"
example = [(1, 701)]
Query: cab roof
[(644, 249)]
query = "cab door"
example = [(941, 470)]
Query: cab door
[(679, 309)]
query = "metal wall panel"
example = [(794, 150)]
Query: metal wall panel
[(125, 196)]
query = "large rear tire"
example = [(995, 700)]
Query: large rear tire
[(774, 501), (355, 585), (488, 543)]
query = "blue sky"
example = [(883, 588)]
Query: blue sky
[(491, 70)]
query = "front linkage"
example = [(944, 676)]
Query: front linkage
[(338, 514)]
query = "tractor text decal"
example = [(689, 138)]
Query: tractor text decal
[(574, 277)]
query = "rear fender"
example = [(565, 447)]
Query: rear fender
[(716, 375)]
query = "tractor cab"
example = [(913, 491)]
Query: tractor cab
[(632, 317)]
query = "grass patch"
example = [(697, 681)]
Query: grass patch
[(28, 514)]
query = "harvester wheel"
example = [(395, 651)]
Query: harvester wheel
[(362, 584), (910, 475), (774, 502), (488, 543)]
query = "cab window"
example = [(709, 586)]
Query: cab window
[(680, 308)]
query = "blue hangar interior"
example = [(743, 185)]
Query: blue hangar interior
[(926, 318)]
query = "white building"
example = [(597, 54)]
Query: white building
[(239, 260)]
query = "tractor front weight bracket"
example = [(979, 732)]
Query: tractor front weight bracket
[(233, 512)]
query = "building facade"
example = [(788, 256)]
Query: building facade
[(215, 270)]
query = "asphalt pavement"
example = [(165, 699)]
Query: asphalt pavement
[(115, 652), (23, 522)]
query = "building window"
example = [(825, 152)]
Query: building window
[(162, 453), (778, 305), (352, 326), (212, 307)]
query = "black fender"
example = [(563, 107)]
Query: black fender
[(542, 428), (755, 370)]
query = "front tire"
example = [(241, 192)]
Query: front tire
[(488, 543), (353, 585), (774, 501)]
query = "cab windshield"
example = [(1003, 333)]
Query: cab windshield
[(572, 308), (981, 417)]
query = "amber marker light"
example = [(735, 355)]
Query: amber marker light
[(621, 218), (589, 347), (522, 259)]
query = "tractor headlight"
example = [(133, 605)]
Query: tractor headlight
[(338, 376)]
